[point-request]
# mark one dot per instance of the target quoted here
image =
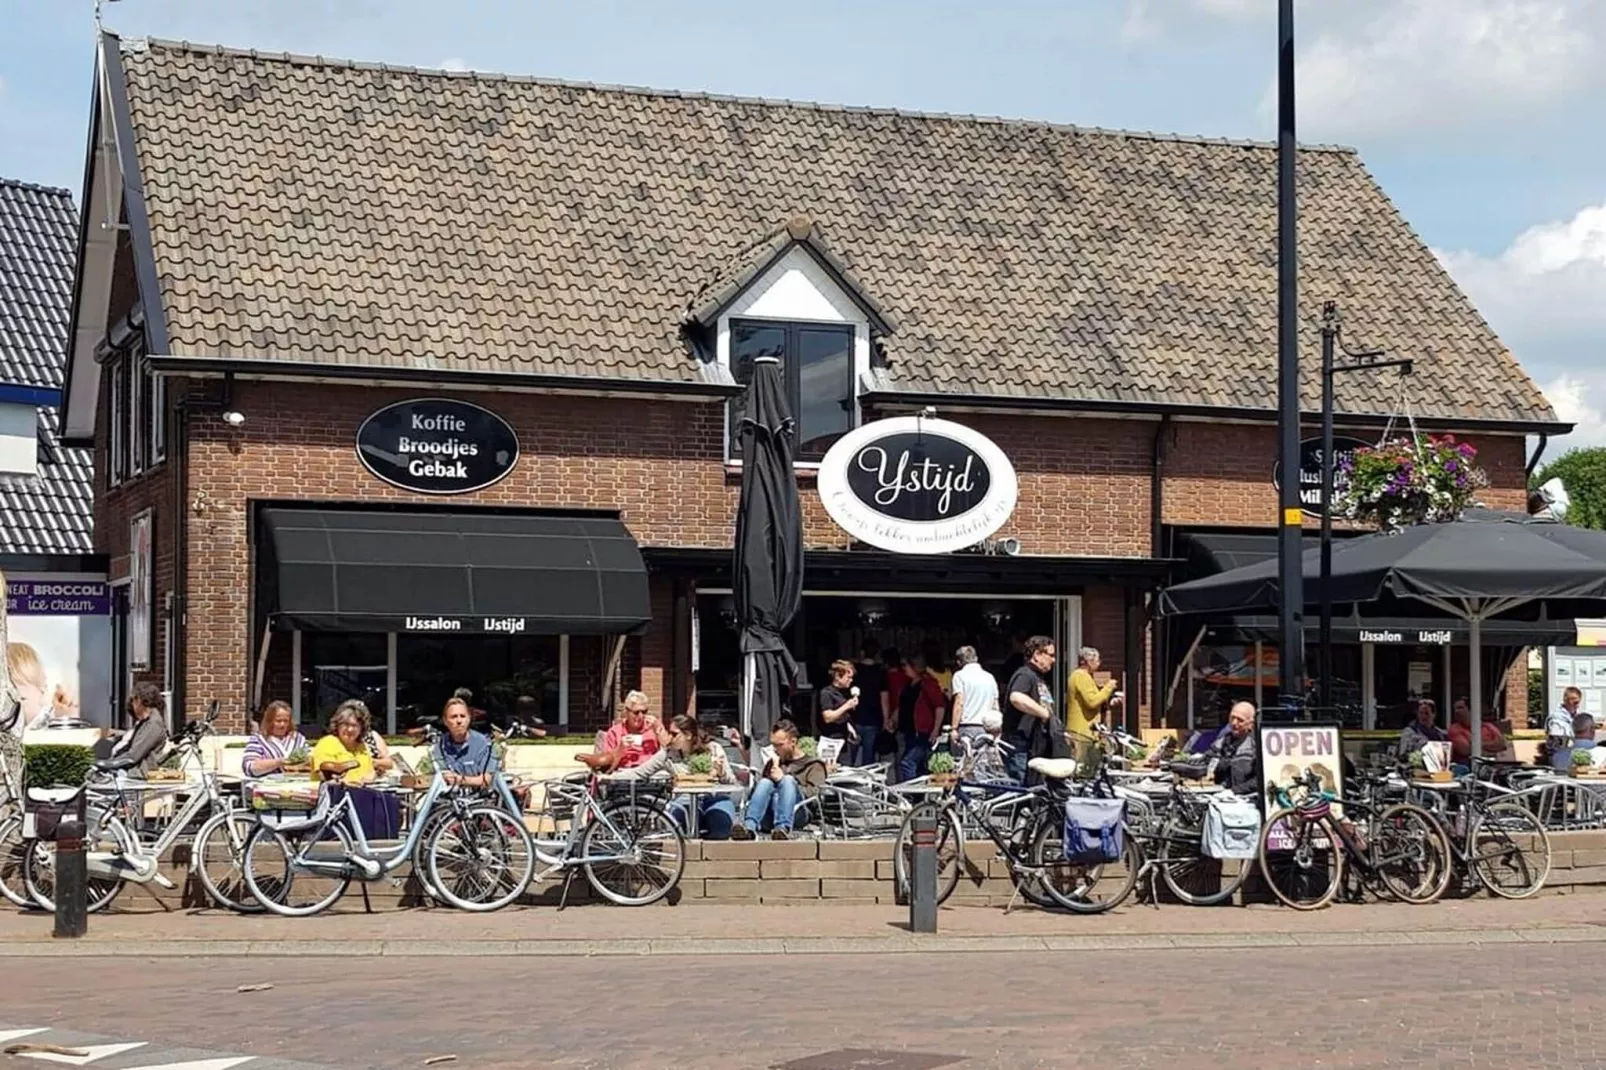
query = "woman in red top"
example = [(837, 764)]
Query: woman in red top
[(919, 715)]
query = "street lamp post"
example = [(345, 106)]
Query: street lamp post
[(1331, 366), (1291, 520)]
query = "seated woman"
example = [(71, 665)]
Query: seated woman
[(271, 746), (343, 756), (716, 812)]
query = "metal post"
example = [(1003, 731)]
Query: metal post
[(923, 874), (1324, 636), (72, 879), (1291, 611)]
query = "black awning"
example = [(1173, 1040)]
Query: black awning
[(1210, 552), (451, 573), (1398, 630)]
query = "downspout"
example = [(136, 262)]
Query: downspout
[(1533, 462), (1157, 624)]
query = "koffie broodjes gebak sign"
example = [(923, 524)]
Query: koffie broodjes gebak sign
[(917, 485), (437, 446)]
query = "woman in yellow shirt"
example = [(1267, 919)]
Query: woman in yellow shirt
[(1087, 698), (342, 754)]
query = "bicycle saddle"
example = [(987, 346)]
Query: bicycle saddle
[(1053, 768)]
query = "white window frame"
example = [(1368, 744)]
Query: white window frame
[(117, 421), (797, 290), (135, 372), (156, 395)]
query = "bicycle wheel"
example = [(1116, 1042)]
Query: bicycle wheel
[(109, 834), (1301, 860), (432, 822), (950, 849), (13, 849), (1078, 886), (1409, 850), (279, 881), (482, 860), (1510, 851), (217, 857), (1193, 876), (644, 854)]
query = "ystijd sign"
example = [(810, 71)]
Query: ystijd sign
[(1310, 471), (917, 485)]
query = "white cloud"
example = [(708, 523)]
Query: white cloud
[(1546, 296), (1446, 64)]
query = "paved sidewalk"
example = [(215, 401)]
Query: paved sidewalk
[(746, 929)]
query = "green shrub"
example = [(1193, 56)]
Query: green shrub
[(940, 762), (809, 747), (700, 764), (48, 764), (1582, 757), (1536, 693)]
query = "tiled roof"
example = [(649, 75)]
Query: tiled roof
[(53, 512), (308, 209), (38, 231)]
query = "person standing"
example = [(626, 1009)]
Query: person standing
[(975, 695), (871, 714), (1085, 710), (892, 724), (1030, 718), (925, 702), (838, 704)]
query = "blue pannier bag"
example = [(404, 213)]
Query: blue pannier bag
[(1093, 831)]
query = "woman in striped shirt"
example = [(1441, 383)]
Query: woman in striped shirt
[(269, 749)]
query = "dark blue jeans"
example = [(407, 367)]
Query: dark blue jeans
[(916, 748), (865, 754)]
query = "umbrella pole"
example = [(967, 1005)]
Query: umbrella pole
[(1475, 689)]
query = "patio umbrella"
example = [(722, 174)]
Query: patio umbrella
[(768, 562), (1481, 566)]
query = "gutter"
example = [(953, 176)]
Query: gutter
[(257, 368), (1539, 451), (894, 399)]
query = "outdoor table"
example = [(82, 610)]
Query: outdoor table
[(697, 789)]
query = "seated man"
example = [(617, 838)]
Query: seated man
[(786, 779), (634, 738), (1232, 757), (467, 759)]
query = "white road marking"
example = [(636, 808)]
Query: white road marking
[(91, 1053), (199, 1064), (8, 1035)]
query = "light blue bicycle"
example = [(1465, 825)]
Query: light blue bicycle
[(477, 855)]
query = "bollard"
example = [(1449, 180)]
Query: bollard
[(923, 875), (72, 879)]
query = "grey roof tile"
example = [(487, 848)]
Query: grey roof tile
[(38, 231), (53, 512), (364, 214)]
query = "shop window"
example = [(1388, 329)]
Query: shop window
[(817, 361), (338, 667), (498, 670)]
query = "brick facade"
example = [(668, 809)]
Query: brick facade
[(1085, 489)]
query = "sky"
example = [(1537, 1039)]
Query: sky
[(1480, 118)]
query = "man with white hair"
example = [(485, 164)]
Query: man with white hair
[(1234, 757), (975, 693)]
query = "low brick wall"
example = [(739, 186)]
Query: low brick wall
[(823, 871)]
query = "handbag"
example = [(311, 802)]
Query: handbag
[(1231, 828), (1093, 829)]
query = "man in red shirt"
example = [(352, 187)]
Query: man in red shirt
[(925, 702)]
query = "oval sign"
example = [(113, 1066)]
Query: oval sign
[(437, 446), (916, 485), (1310, 470)]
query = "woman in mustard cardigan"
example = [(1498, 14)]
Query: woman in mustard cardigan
[(1087, 699)]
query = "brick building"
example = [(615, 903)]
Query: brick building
[(278, 249)]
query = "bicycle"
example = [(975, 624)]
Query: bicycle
[(1305, 847), (1170, 837), (1032, 845), (613, 834), (118, 855), (1499, 845), (284, 853), (13, 844)]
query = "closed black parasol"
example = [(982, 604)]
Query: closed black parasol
[(1485, 564), (768, 564)]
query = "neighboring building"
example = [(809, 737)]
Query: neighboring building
[(588, 273), (60, 628)]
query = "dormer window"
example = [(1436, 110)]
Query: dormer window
[(818, 362)]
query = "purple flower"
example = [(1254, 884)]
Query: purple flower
[(1449, 466)]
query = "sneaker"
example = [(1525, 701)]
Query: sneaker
[(781, 834), (741, 832)]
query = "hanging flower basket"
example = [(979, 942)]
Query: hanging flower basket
[(1409, 481)]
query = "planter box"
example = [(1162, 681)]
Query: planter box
[(1443, 776)]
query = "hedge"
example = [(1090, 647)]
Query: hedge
[(49, 764)]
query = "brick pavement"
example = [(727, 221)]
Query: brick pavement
[(810, 925), (1341, 1008)]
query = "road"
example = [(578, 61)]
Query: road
[(1504, 1005)]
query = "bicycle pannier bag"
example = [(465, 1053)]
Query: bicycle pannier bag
[(1093, 829), (1231, 828), (46, 808)]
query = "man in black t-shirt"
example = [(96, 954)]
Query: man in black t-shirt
[(1029, 703), (874, 706), (837, 704)]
